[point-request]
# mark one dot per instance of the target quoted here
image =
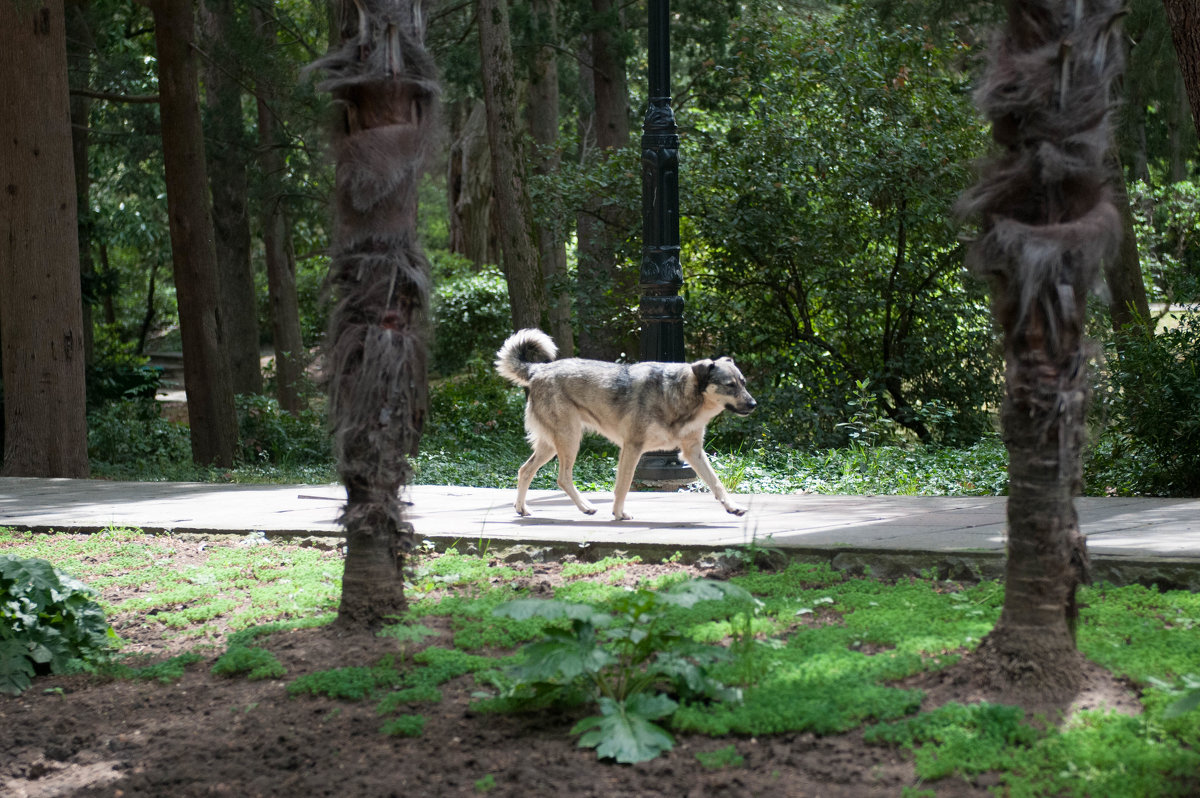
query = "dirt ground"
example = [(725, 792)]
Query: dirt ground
[(211, 735)]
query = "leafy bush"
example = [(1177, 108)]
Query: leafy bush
[(133, 432), (819, 250), (471, 317), (1168, 225), (1157, 409), (626, 661), (267, 434), (49, 623), (117, 372)]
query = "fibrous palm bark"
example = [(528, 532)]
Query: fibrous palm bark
[(1048, 225), (383, 82)]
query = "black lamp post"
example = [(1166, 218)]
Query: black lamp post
[(661, 307)]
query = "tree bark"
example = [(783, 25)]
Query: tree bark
[(211, 412), (1184, 18), (1127, 302), (41, 319), (227, 152), (79, 51), (521, 261), (543, 126), (383, 83), (290, 355), (1048, 222), (605, 290), (469, 187)]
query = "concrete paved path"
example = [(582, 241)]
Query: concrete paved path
[(1123, 534)]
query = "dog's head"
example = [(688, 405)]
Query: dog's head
[(721, 380)]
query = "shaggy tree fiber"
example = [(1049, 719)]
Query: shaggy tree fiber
[(383, 83), (1047, 225)]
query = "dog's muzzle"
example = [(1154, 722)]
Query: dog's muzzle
[(744, 408)]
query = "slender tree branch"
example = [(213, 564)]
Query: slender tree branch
[(132, 99)]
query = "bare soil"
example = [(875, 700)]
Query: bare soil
[(210, 735)]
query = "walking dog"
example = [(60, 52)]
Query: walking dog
[(640, 407)]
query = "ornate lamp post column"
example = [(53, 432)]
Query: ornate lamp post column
[(661, 307)]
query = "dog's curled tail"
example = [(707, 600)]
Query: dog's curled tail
[(523, 349)]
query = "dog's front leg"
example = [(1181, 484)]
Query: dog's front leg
[(693, 452), (543, 452), (626, 464)]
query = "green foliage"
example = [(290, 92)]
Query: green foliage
[(49, 623), (1167, 223), (274, 584), (721, 759), (404, 726), (256, 663), (967, 739), (352, 683), (166, 672), (816, 216), (626, 657), (1140, 632), (133, 432), (471, 318), (267, 434), (117, 372), (1157, 409)]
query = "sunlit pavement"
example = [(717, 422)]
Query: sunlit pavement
[(1120, 531)]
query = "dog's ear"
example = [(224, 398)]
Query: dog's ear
[(702, 369)]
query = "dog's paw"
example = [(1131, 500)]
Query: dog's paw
[(622, 516), (589, 510), (735, 509), (521, 511)]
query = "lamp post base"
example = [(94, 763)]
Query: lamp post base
[(663, 470)]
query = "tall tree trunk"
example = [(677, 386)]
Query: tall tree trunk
[(227, 152), (383, 83), (469, 190), (1184, 18), (80, 45), (211, 412), (543, 126), (1048, 222), (606, 291), (1127, 303), (290, 355), (521, 262), (41, 320)]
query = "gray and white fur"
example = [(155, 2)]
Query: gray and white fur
[(640, 407)]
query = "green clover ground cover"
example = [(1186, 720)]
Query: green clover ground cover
[(800, 649)]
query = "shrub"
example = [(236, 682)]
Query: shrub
[(269, 435), (133, 432), (49, 623), (118, 373), (1157, 408), (470, 317), (625, 660)]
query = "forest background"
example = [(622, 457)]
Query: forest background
[(823, 147)]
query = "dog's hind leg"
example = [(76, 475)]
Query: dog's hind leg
[(567, 443), (626, 464), (543, 452), (693, 452)]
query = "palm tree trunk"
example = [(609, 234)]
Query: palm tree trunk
[(1047, 224), (383, 81)]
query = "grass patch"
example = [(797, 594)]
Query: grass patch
[(814, 651)]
